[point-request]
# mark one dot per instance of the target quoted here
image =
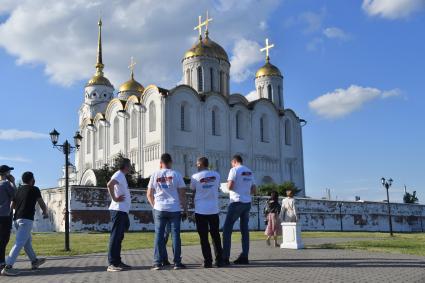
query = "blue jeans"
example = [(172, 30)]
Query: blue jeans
[(120, 224), (236, 210), (23, 240), (162, 219), (166, 236)]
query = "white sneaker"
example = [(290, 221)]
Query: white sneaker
[(9, 271)]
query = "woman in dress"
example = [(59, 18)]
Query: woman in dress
[(271, 213)]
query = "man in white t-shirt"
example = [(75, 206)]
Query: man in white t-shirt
[(166, 194), (119, 209), (205, 185), (241, 185)]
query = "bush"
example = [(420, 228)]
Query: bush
[(410, 198), (266, 189)]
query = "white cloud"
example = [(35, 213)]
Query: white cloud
[(342, 102), (14, 159), (61, 35), (13, 134), (246, 53), (336, 33), (392, 9), (312, 21), (315, 44)]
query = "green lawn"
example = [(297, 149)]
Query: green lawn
[(50, 244)]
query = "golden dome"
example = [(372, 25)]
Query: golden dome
[(268, 70), (99, 79), (208, 48), (132, 85)]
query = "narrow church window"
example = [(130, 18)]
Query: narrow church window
[(269, 92), (101, 136), (200, 80), (212, 79), (152, 117), (188, 77), (184, 117), (221, 82), (88, 142), (260, 91), (288, 132), (238, 125), (214, 122), (182, 110), (133, 124), (116, 130), (279, 92), (228, 84), (264, 135)]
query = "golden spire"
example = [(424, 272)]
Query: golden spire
[(99, 63), (266, 48), (207, 20), (131, 66)]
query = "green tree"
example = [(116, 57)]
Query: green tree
[(266, 189), (410, 198)]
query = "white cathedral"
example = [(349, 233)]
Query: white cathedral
[(197, 118)]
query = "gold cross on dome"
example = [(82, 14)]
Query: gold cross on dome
[(207, 20), (199, 26), (132, 64), (266, 48)]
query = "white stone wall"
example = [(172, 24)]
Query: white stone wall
[(89, 212)]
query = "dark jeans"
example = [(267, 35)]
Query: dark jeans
[(163, 218), (237, 210), (120, 224), (166, 236), (5, 227), (209, 223)]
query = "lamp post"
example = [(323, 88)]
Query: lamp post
[(66, 148), (387, 184), (340, 204)]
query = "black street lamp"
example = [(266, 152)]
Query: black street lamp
[(340, 205), (387, 184), (66, 148)]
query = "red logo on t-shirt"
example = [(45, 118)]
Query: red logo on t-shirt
[(207, 180)]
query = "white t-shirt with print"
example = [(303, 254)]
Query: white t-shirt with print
[(121, 189), (166, 184), (206, 185), (243, 179)]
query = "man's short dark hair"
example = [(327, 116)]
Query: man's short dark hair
[(166, 158), (237, 158), (204, 161), (27, 177), (124, 163)]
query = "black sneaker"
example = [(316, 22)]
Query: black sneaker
[(241, 260), (226, 262), (219, 263), (207, 265), (156, 267), (37, 263), (166, 263), (178, 266), (124, 266)]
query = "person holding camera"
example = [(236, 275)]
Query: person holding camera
[(272, 218), (7, 193), (167, 196), (24, 202)]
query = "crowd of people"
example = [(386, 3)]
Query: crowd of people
[(166, 193)]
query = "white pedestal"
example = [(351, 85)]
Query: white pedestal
[(291, 234)]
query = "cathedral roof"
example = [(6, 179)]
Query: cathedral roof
[(268, 70), (99, 79), (208, 48), (132, 85)]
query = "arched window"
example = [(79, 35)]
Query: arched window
[(184, 117), (133, 124), (212, 79), (279, 92), (239, 125), (116, 130), (264, 133), (227, 84), (200, 79), (260, 91), (101, 136), (188, 77), (221, 82), (152, 117), (288, 132), (88, 141), (269, 92), (215, 122)]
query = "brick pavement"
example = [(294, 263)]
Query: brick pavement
[(267, 265)]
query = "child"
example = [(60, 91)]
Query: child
[(271, 212)]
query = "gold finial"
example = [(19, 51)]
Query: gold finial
[(207, 20), (99, 63), (266, 48), (131, 66), (199, 27)]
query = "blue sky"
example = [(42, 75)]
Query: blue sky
[(354, 70)]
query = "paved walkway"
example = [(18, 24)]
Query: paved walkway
[(267, 265)]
